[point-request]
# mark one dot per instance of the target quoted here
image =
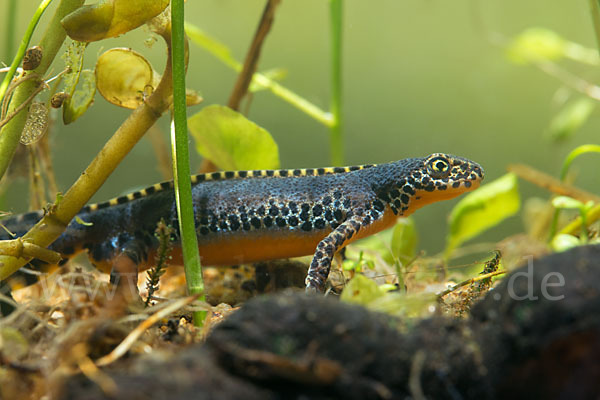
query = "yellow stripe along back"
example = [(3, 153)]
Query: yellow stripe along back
[(226, 175)]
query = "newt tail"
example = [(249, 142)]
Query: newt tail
[(249, 216)]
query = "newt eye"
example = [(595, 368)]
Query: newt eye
[(438, 167)]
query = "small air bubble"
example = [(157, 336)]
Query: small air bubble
[(149, 41)]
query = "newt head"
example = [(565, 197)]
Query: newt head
[(439, 177)]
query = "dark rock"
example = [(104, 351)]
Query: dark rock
[(536, 335)]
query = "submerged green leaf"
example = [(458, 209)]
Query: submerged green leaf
[(77, 104), (110, 18), (77, 100), (568, 203), (73, 58), (361, 290), (570, 118), (563, 242), (231, 141), (404, 240), (536, 44), (483, 209)]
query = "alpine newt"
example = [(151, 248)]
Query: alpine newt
[(249, 216)]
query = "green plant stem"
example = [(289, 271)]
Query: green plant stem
[(583, 149), (23, 47), (586, 148), (118, 146), (10, 23), (591, 216), (181, 162), (220, 51), (51, 41), (595, 11), (584, 230), (335, 130)]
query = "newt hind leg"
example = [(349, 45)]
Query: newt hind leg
[(326, 249), (121, 256)]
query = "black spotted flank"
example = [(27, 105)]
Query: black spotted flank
[(378, 205), (268, 221), (317, 210), (234, 223), (319, 223), (293, 221), (280, 222)]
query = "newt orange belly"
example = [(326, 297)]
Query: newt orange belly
[(248, 216)]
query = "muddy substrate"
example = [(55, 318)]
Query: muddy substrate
[(536, 335)]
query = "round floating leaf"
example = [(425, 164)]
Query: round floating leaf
[(231, 141), (77, 104), (483, 209), (110, 18), (123, 76)]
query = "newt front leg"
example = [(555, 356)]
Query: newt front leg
[(326, 249)]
